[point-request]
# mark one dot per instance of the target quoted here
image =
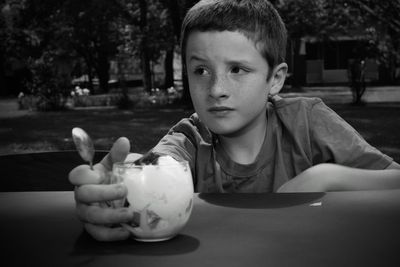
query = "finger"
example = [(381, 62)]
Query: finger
[(90, 193), (118, 153), (82, 174), (97, 214), (133, 156), (103, 233)]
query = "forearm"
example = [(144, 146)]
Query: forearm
[(332, 177), (346, 178)]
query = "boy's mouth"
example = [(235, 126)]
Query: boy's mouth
[(220, 110)]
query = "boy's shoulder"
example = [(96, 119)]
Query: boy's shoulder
[(296, 102), (294, 110), (193, 128), (192, 121)]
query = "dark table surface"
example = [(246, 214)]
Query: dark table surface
[(40, 171), (346, 229)]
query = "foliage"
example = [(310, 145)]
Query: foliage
[(148, 35), (50, 86), (70, 30), (93, 32), (302, 17), (374, 21), (87, 34), (157, 28), (382, 25), (36, 48), (103, 100)]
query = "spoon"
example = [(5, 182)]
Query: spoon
[(84, 145)]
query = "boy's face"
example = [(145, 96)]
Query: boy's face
[(227, 80)]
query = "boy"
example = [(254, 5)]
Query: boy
[(243, 137)]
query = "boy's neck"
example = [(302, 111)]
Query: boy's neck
[(245, 147)]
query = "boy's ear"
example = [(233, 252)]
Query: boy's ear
[(278, 78)]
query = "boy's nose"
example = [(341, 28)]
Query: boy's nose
[(218, 88)]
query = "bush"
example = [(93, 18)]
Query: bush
[(127, 102), (156, 98), (48, 85), (27, 102), (96, 100), (160, 98)]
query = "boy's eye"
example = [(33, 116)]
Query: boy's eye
[(201, 71), (238, 70)]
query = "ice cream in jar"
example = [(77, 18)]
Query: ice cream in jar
[(160, 196)]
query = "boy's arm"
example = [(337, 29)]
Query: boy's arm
[(336, 141), (393, 165), (332, 177)]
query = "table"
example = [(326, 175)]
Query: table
[(303, 229), (40, 171)]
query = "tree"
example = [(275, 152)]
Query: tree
[(64, 30), (177, 10), (26, 33), (382, 26), (320, 19), (149, 33), (175, 18), (94, 34), (376, 21), (37, 52)]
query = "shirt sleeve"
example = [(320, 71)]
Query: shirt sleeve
[(190, 140), (180, 142), (177, 145), (334, 140)]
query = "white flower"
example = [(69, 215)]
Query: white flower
[(171, 90), (85, 91)]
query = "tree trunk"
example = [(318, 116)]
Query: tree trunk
[(169, 68), (177, 11), (89, 65), (90, 79), (145, 65), (299, 67), (103, 74), (145, 58), (176, 17), (186, 99), (394, 37)]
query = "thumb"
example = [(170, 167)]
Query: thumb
[(118, 153)]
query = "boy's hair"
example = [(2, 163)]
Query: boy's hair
[(258, 20)]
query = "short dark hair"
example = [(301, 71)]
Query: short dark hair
[(258, 20)]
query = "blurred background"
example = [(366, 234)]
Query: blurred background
[(113, 67)]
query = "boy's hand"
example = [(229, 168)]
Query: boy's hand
[(92, 191)]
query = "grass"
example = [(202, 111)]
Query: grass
[(49, 131)]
